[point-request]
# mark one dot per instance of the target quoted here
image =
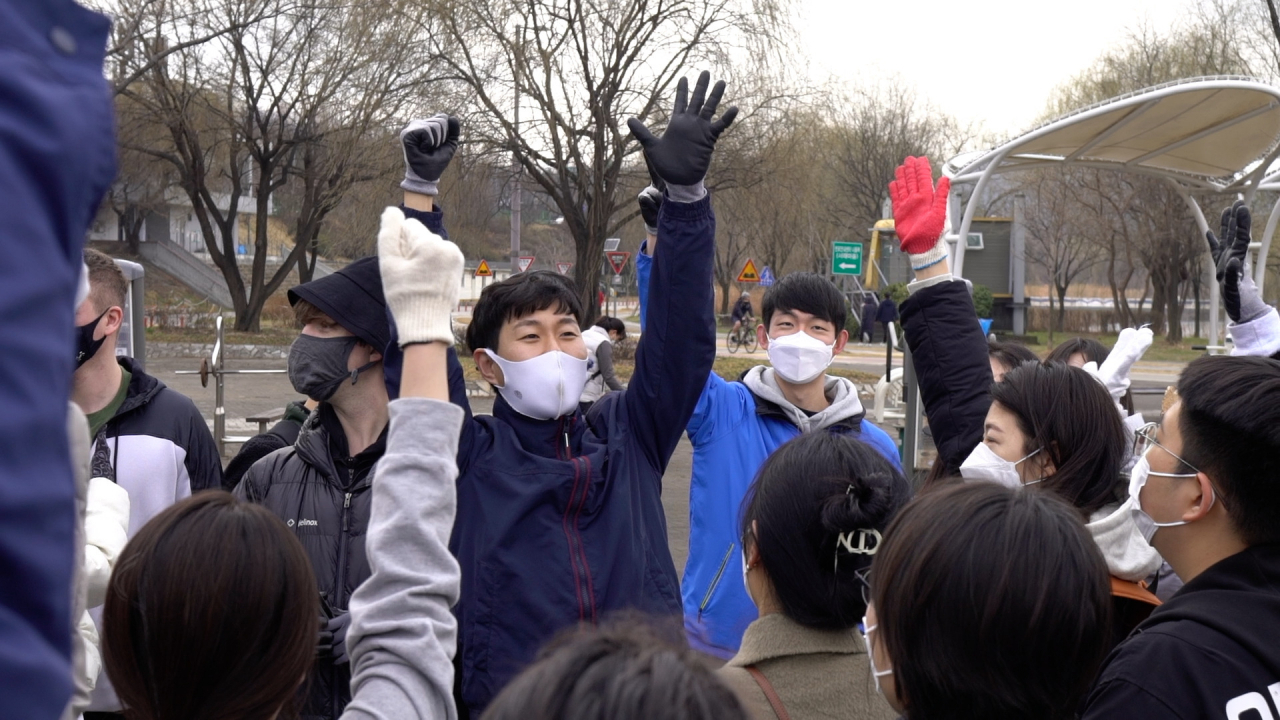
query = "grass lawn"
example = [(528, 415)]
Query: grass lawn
[(270, 335), (1160, 351)]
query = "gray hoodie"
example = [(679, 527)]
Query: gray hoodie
[(840, 392), (403, 635)]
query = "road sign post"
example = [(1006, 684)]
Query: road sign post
[(846, 258), (766, 277), (749, 273), (525, 262), (564, 267), (483, 269)]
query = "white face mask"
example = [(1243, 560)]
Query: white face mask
[(871, 656), (984, 464), (1137, 480), (800, 357), (544, 387)]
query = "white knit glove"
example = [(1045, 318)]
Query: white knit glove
[(1114, 373), (420, 278)]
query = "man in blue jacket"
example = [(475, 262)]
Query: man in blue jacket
[(736, 425), (561, 523), (57, 157)]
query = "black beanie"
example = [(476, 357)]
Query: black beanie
[(353, 297)]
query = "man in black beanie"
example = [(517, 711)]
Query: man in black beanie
[(320, 487)]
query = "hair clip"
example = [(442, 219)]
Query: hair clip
[(845, 540)]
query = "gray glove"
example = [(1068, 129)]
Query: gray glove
[(428, 145), (1240, 294)]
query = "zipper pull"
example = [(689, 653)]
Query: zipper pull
[(346, 518), (566, 445), (347, 503)]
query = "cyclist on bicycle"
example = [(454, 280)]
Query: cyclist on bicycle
[(742, 311)]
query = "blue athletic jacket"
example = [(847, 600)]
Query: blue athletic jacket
[(57, 157), (732, 431), (560, 523)]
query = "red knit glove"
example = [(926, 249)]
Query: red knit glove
[(919, 211)]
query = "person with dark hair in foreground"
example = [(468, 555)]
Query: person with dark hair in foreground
[(623, 671), (1206, 494), (813, 521), (1005, 356), (201, 629), (986, 603)]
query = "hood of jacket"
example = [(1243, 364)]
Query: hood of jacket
[(845, 407), (1129, 556), (142, 387)]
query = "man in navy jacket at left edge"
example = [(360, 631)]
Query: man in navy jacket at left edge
[(57, 157)]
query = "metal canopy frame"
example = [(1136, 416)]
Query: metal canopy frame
[(1218, 135)]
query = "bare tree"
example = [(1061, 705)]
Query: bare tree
[(260, 104), (1055, 241), (575, 70)]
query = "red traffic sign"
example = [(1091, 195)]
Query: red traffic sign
[(524, 263), (563, 267), (483, 269), (618, 260), (749, 273)]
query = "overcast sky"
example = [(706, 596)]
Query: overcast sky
[(990, 61)]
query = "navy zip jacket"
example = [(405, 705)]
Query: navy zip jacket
[(57, 158), (560, 523)]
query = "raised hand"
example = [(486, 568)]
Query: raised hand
[(919, 210), (1234, 243), (429, 146), (420, 273), (650, 200), (1114, 373), (683, 153)]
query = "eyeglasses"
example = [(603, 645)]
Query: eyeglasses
[(1145, 439)]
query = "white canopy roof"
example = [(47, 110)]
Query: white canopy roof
[(1206, 133), (1210, 134)]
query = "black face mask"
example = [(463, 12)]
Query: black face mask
[(86, 346), (317, 366)]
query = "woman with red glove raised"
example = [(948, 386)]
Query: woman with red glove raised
[(1043, 427)]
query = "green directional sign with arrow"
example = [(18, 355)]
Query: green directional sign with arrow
[(846, 258)]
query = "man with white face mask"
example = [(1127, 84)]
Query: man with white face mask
[(560, 522), (737, 425), (1207, 496)]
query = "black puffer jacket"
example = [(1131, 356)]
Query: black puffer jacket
[(324, 497)]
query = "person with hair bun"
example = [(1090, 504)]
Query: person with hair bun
[(813, 520)]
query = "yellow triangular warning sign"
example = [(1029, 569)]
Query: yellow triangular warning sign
[(483, 270), (749, 273)]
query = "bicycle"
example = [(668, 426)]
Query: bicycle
[(744, 338)]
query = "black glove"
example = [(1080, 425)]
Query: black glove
[(683, 153), (1234, 244), (338, 629), (429, 145), (324, 642), (1231, 289), (650, 200)]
